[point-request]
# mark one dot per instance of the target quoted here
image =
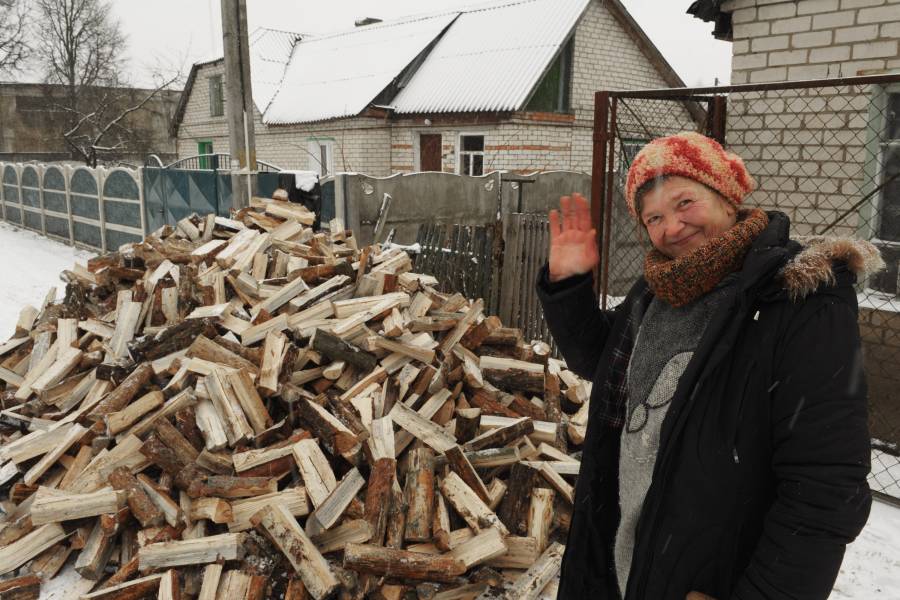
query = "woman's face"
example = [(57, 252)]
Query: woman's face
[(681, 215)]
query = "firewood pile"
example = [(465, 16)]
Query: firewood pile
[(245, 408)]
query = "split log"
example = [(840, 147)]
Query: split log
[(24, 549), (333, 507), (143, 509), (51, 506), (530, 584), (378, 497), (125, 392), (21, 588), (96, 552), (282, 529), (225, 546), (224, 486), (401, 564), (469, 506), (419, 495), (338, 349), (540, 516), (512, 374)]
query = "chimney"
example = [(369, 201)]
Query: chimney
[(367, 21)]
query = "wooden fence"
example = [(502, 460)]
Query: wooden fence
[(478, 262), (464, 258)]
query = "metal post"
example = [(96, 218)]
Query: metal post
[(239, 100), (598, 171), (607, 209), (719, 109)]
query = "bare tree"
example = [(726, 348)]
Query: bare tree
[(81, 47), (107, 129), (79, 43), (14, 48)]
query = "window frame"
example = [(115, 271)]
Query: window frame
[(460, 152), (314, 148), (216, 107), (873, 168)]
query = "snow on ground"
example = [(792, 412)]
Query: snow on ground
[(871, 566), (31, 265)]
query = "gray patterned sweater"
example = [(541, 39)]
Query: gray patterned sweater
[(664, 344)]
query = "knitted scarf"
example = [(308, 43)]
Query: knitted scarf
[(680, 281)]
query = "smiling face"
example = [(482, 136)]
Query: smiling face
[(680, 215)]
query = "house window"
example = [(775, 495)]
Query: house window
[(628, 150), (883, 215), (216, 96), (471, 155), (889, 204), (321, 156), (204, 149), (552, 93)]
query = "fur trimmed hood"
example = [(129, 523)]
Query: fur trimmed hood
[(813, 265)]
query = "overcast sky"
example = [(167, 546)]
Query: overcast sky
[(185, 31)]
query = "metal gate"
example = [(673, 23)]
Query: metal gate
[(198, 184), (825, 152)]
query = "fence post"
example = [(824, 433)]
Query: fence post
[(39, 169), (141, 205), (67, 192), (719, 109), (608, 205), (510, 268), (2, 191), (598, 170), (100, 176)]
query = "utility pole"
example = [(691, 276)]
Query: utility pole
[(239, 101)]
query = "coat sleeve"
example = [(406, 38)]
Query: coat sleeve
[(576, 322), (821, 456)]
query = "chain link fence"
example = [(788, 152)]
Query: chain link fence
[(826, 153)]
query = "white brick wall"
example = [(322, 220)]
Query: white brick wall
[(605, 57), (813, 38), (805, 147)]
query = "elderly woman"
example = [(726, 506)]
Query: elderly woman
[(727, 447)]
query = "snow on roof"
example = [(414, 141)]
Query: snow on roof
[(270, 51), (339, 75), (487, 57), (491, 58)]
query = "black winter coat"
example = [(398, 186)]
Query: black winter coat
[(760, 479)]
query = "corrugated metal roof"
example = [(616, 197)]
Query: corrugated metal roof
[(340, 74), (491, 58), (270, 51)]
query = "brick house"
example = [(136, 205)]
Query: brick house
[(507, 85), (817, 152)]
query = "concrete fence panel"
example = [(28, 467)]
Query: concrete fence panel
[(97, 208), (12, 208), (415, 199), (537, 193)]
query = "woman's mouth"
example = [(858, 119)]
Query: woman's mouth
[(682, 241)]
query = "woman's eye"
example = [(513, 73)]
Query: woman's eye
[(651, 220), (685, 202)]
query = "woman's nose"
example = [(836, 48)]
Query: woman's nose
[(674, 227)]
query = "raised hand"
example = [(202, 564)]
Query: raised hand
[(573, 242)]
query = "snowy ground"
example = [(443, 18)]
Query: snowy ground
[(31, 265)]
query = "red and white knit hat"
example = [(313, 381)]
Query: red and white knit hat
[(694, 156)]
